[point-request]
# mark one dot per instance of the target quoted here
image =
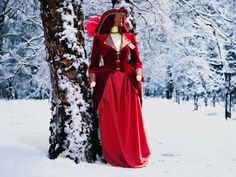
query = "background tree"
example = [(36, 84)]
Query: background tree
[(72, 124), (23, 70)]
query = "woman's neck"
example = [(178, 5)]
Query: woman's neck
[(114, 29)]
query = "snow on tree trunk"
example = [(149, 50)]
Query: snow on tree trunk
[(127, 5), (73, 118)]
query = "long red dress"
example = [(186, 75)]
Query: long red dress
[(117, 97)]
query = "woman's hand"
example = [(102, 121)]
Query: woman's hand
[(92, 80), (139, 74), (139, 78), (93, 84)]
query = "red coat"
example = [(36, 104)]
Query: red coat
[(113, 61)]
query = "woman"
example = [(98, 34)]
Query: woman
[(117, 92)]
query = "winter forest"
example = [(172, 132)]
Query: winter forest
[(188, 50), (188, 47)]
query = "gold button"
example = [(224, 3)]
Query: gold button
[(117, 68)]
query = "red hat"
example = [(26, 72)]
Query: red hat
[(114, 17)]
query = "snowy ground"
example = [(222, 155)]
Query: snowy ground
[(183, 143)]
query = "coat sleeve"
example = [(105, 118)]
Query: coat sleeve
[(95, 56), (135, 57)]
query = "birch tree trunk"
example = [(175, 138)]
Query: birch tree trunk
[(72, 124)]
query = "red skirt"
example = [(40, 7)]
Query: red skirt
[(121, 126)]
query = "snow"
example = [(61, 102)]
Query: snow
[(183, 143)]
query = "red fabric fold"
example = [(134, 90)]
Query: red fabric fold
[(120, 118), (101, 78)]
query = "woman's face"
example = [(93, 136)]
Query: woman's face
[(118, 20)]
